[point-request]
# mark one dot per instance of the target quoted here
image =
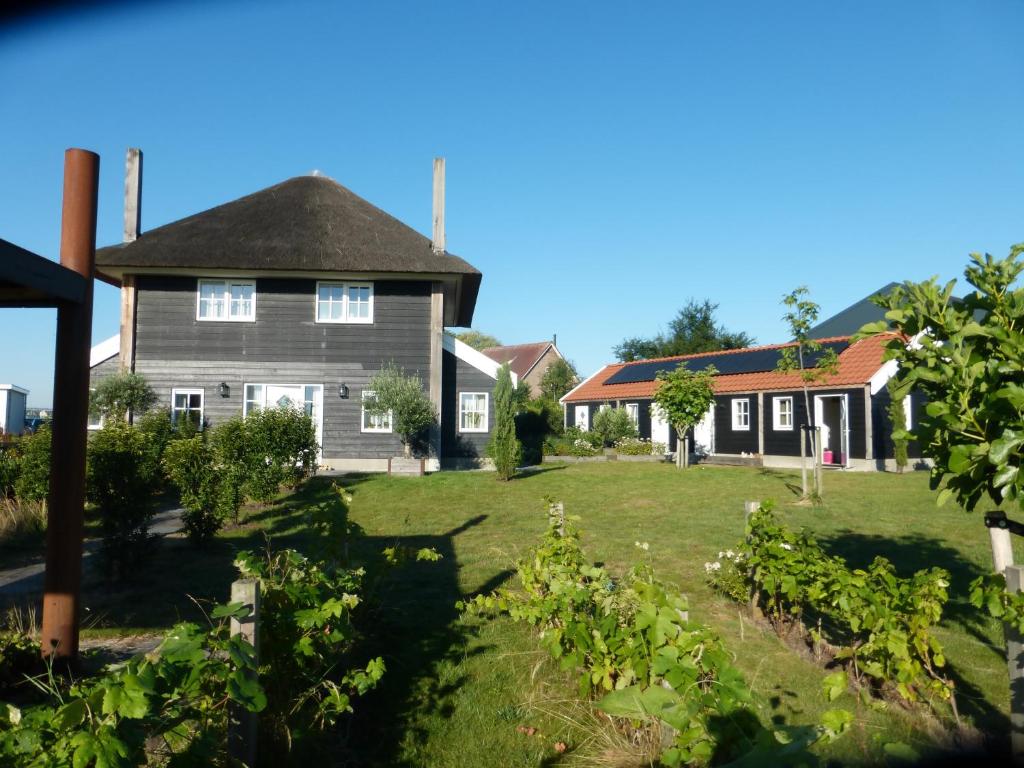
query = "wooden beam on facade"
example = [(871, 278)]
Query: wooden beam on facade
[(66, 501), (436, 366), (128, 297)]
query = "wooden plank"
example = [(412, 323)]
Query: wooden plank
[(132, 194), (242, 723), (128, 303), (38, 280), (436, 367), (438, 239)]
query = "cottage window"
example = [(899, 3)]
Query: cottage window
[(380, 422), (233, 300), (633, 411), (741, 413), (473, 411), (254, 398), (782, 413), (187, 405), (344, 302)]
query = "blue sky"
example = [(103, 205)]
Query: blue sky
[(606, 162)]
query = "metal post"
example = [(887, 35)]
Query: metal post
[(1015, 664), (242, 723), (62, 586)]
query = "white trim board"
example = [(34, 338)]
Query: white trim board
[(473, 357), (562, 399), (13, 388), (105, 350)]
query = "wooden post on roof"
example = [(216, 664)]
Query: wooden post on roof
[(66, 501), (439, 239)]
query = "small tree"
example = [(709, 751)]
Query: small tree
[(898, 424), (478, 340), (504, 448), (613, 424), (558, 379), (403, 397), (800, 318), (122, 396), (684, 397)]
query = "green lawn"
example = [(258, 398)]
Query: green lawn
[(456, 689)]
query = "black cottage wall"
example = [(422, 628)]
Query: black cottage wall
[(458, 376), (728, 440)]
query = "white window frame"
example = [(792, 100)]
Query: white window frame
[(344, 285), (777, 423), (363, 415), (633, 411), (188, 391), (462, 412), (737, 413), (227, 282), (91, 425)]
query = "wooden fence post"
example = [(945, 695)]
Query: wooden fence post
[(1015, 664), (749, 508), (241, 722)]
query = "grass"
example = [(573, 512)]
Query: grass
[(460, 692)]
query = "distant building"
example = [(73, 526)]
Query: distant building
[(12, 409), (527, 361)]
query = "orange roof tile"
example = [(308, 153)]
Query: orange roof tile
[(857, 364)]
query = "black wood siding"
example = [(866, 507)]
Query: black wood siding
[(285, 327), (787, 442), (881, 425), (458, 376), (728, 440)]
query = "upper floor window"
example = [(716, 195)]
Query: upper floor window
[(344, 302), (226, 300), (741, 413), (782, 412), (473, 411)]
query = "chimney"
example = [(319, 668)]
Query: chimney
[(132, 194), (554, 339), (438, 239)]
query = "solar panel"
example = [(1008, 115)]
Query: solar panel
[(749, 361)]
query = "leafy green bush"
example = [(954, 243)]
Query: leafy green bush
[(19, 656), (883, 623), (210, 490), (167, 707), (632, 644), (277, 446), (116, 396), (9, 470), (122, 475), (158, 427), (537, 428), (33, 481), (612, 424), (636, 446)]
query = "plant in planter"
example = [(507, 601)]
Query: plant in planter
[(394, 393)]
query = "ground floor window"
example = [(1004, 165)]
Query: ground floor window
[(782, 413), (633, 411), (187, 405), (370, 422), (472, 411), (741, 413)]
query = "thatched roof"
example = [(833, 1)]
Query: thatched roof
[(304, 224)]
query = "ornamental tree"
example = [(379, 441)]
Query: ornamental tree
[(122, 396), (558, 379), (403, 397), (965, 356), (684, 397), (801, 317), (504, 449)]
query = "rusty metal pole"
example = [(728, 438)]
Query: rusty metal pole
[(61, 609)]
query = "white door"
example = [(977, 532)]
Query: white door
[(842, 427), (659, 427), (583, 417), (304, 397), (704, 434)]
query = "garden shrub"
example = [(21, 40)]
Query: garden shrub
[(503, 448), (210, 489), (158, 427), (122, 475), (33, 480), (636, 446), (538, 426), (632, 644), (883, 624), (612, 424), (9, 469), (277, 446)]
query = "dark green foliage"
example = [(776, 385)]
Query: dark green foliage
[(897, 421), (504, 448), (403, 397), (692, 330), (558, 379), (19, 656), (278, 447), (9, 470), (539, 423), (123, 393), (33, 482), (207, 495), (123, 473), (478, 340), (966, 360), (611, 424)]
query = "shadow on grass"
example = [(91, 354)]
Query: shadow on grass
[(914, 552)]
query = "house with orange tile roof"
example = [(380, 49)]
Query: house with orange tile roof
[(758, 412), (527, 361)]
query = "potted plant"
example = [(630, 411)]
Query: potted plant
[(401, 397)]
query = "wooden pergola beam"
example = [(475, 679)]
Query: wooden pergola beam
[(29, 280)]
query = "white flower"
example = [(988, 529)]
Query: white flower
[(787, 547), (712, 567), (645, 546), (721, 555), (730, 554)]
